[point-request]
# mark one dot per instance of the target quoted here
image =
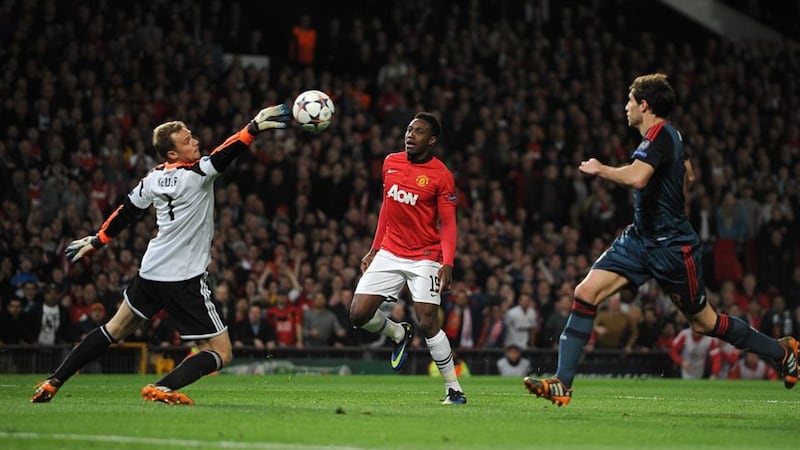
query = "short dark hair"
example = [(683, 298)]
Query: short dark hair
[(436, 127), (655, 88), (162, 136)]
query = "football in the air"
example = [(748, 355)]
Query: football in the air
[(313, 110)]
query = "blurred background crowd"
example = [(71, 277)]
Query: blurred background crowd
[(526, 89)]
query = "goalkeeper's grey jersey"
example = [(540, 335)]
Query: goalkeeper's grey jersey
[(183, 197)]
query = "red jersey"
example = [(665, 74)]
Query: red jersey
[(418, 215), (285, 321)]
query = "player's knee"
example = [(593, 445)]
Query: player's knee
[(357, 317), (429, 328), (702, 327), (226, 356), (428, 324), (361, 311), (586, 293), (120, 328), (221, 347)]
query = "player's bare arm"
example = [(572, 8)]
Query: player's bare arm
[(689, 178), (635, 175)]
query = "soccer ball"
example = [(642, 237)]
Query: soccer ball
[(313, 110)]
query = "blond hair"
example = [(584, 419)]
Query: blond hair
[(162, 136)]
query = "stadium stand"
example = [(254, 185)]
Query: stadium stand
[(526, 89)]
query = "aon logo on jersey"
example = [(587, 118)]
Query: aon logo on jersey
[(399, 195)]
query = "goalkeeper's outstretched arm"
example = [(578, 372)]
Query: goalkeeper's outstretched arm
[(126, 213)]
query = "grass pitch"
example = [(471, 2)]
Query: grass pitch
[(398, 412)]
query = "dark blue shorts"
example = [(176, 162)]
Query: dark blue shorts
[(677, 268)]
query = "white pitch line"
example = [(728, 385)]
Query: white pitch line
[(167, 442)]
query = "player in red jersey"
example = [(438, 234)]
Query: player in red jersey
[(414, 244)]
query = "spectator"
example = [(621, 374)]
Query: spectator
[(493, 331), (95, 318), (749, 292), (649, 329), (50, 320), (16, 324), (778, 320), (287, 320), (730, 218), (791, 289), (256, 331), (512, 364), (753, 314), (666, 336), (24, 275), (6, 271), (614, 328), (690, 351), (751, 367), (31, 296), (704, 220), (303, 43), (340, 306), (320, 325), (84, 298), (555, 323), (522, 323), (723, 359), (53, 186), (105, 294), (775, 259), (222, 294), (15, 329), (462, 320), (727, 297)]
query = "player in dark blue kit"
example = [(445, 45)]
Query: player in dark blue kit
[(660, 244)]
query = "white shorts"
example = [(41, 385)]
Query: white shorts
[(387, 273)]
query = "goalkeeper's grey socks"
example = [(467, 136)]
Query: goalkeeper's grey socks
[(93, 345), (191, 369)]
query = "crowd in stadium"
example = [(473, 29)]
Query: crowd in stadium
[(525, 91)]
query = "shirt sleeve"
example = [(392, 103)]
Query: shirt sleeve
[(447, 219), (225, 153), (655, 152), (380, 229), (132, 208)]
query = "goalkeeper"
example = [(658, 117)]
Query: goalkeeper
[(173, 274)]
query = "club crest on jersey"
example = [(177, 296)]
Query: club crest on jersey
[(402, 196), (641, 150), (422, 180)]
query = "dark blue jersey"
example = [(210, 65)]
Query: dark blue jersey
[(659, 215)]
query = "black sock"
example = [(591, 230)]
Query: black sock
[(744, 337), (93, 345), (191, 369)]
